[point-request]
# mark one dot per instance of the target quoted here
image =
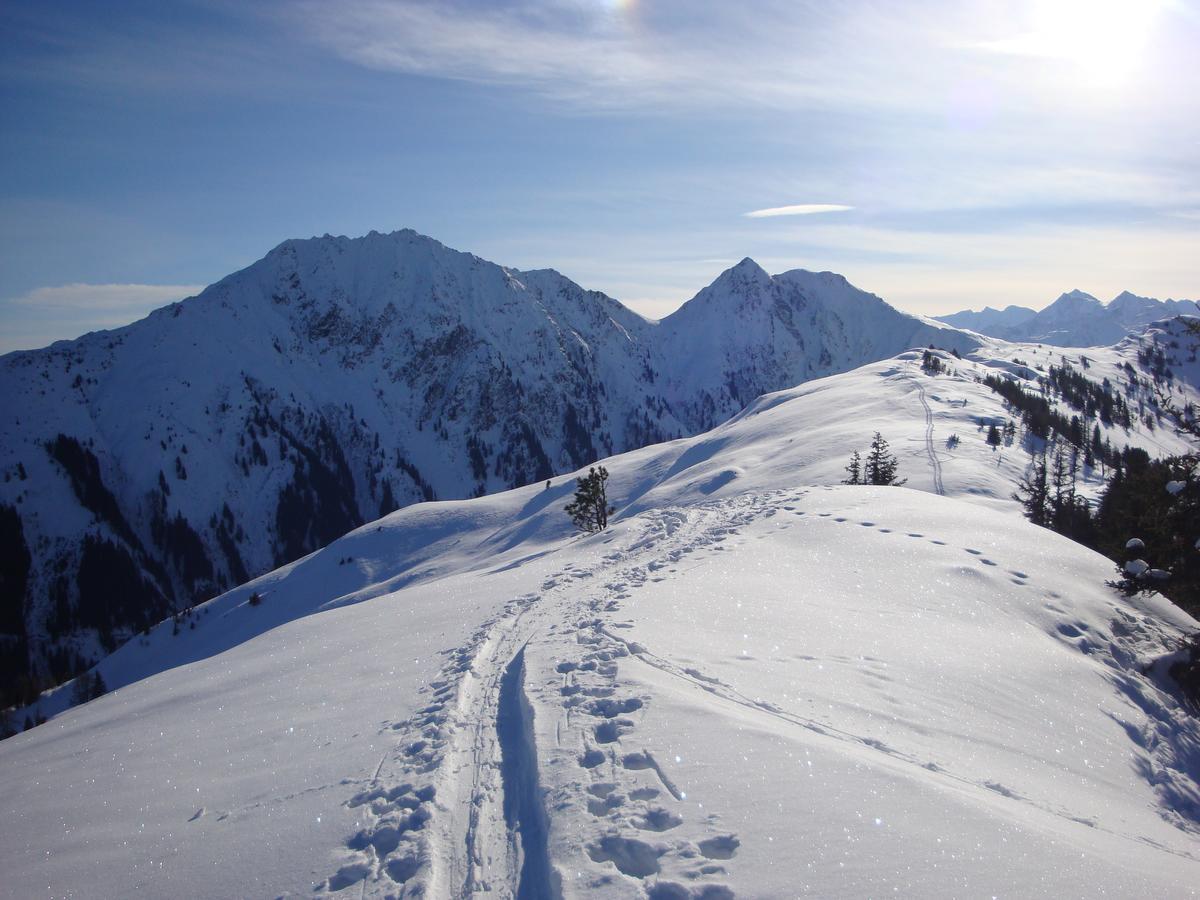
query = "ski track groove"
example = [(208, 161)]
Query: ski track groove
[(929, 449)]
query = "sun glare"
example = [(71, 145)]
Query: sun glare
[(1105, 39)]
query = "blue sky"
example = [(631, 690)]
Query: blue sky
[(942, 154)]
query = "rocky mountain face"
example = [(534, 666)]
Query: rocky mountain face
[(1075, 319), (149, 467)]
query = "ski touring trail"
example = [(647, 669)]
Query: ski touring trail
[(934, 463), (455, 807), (540, 713)]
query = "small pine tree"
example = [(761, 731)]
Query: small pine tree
[(589, 511), (255, 599), (854, 469), (881, 464), (1033, 493), (993, 435)]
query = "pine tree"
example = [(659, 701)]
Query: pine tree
[(993, 435), (589, 511), (881, 464), (1033, 493), (854, 469)]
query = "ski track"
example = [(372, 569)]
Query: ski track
[(436, 811), (934, 462)]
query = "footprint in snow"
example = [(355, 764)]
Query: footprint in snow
[(610, 731), (722, 846), (603, 806), (658, 819), (591, 758), (631, 856)]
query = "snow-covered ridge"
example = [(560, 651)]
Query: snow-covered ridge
[(1075, 319), (337, 379), (755, 683)]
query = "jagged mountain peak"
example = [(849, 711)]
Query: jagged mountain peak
[(746, 273), (748, 267), (1128, 297), (1075, 297), (1075, 319)]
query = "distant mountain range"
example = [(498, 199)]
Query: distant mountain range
[(1075, 319), (337, 379)]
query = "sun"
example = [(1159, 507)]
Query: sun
[(1104, 39)]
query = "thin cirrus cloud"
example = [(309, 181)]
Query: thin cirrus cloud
[(614, 54), (47, 314), (797, 209)]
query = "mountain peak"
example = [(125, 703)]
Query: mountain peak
[(1077, 294), (749, 269), (741, 283)]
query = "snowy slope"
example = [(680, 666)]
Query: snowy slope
[(1075, 319), (336, 380), (751, 685)]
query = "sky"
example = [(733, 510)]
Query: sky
[(944, 155)]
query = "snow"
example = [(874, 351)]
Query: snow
[(758, 682), (1075, 319)]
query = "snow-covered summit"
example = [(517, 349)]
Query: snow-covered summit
[(1075, 319)]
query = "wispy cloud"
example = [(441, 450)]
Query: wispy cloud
[(798, 209), (47, 314), (105, 300), (608, 55)]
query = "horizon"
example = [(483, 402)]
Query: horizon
[(163, 295), (950, 158)]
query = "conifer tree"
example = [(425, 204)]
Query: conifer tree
[(1033, 493), (881, 464), (589, 511), (854, 469)]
